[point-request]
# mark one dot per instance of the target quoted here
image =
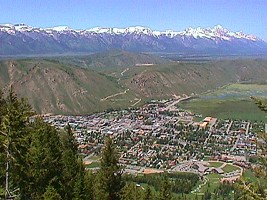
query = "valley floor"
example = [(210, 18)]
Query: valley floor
[(160, 137)]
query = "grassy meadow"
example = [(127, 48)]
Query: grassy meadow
[(231, 101)]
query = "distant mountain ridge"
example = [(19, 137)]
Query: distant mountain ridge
[(21, 39), (115, 58)]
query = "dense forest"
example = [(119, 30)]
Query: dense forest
[(38, 161)]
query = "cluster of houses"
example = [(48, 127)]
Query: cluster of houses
[(154, 136), (234, 137)]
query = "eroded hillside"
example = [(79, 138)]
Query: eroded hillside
[(186, 78), (55, 88), (52, 86)]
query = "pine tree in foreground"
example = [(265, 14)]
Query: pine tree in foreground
[(165, 192), (109, 178), (14, 139)]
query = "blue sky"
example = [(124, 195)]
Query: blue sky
[(249, 16)]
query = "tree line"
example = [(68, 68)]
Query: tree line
[(179, 182), (37, 160)]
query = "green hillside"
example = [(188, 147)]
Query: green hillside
[(186, 78), (52, 87), (59, 85)]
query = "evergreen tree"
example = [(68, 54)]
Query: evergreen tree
[(89, 181), (165, 190), (51, 194), (207, 195), (109, 182), (148, 194), (2, 149), (79, 187), (73, 169), (15, 115), (45, 166), (2, 107), (38, 163), (130, 192)]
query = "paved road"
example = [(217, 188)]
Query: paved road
[(233, 148), (177, 101), (238, 138), (247, 128), (229, 127), (210, 132)]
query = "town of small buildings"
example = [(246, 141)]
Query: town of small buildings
[(160, 137)]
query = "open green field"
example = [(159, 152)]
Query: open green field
[(215, 164), (229, 168), (232, 101), (206, 158), (212, 184), (96, 158), (93, 165), (249, 175)]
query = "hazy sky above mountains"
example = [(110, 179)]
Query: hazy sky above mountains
[(249, 16)]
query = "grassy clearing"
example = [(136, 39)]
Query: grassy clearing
[(229, 168), (93, 165), (212, 184), (94, 157), (249, 174), (215, 164), (206, 158), (232, 101)]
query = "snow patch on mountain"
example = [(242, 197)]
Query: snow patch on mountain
[(59, 28), (216, 33)]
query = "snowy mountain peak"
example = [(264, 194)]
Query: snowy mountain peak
[(23, 39), (216, 33), (139, 29), (12, 29), (59, 28), (106, 30), (22, 27), (128, 30), (218, 27)]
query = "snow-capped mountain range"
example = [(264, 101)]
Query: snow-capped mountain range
[(23, 39)]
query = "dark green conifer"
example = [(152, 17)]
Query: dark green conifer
[(89, 181), (45, 159), (73, 169), (165, 190), (131, 191), (51, 194), (148, 194), (109, 181), (14, 135)]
